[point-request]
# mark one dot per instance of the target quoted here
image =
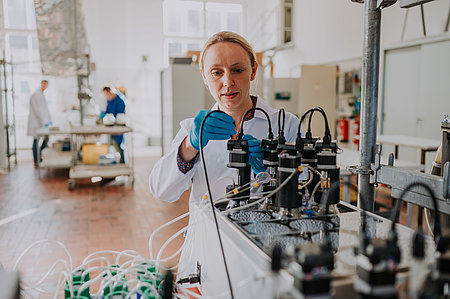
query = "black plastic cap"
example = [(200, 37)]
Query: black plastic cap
[(418, 246), (168, 285), (443, 244), (276, 258)]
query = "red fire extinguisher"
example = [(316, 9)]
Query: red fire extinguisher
[(343, 129), (356, 131)]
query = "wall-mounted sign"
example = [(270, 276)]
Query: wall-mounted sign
[(283, 96)]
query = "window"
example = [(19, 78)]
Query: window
[(187, 24), (223, 16), (183, 18), (18, 40), (19, 14), (19, 31)]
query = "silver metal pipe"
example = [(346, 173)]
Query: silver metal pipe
[(369, 107)]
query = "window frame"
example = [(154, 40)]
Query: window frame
[(185, 37)]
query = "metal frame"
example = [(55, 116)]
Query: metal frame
[(7, 95), (369, 104), (399, 179)]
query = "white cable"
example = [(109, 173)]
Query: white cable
[(150, 241), (173, 255), (220, 179), (139, 285), (308, 182), (126, 252), (65, 277), (101, 275), (159, 260), (100, 258), (263, 198), (97, 278), (161, 250), (242, 188), (118, 278), (240, 197), (263, 173), (104, 251), (314, 170), (41, 242), (47, 274)]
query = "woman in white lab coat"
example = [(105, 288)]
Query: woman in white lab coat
[(39, 117), (228, 65)]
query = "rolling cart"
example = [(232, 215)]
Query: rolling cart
[(84, 171)]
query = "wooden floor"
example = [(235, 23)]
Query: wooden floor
[(90, 218)]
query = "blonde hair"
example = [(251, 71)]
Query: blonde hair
[(228, 37)]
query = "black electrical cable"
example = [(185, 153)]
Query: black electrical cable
[(211, 200), (396, 211), (310, 119), (319, 109), (326, 204), (281, 112), (241, 130)]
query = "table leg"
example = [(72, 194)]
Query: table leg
[(346, 191), (38, 145)]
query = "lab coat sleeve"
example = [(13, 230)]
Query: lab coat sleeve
[(291, 129), (166, 181)]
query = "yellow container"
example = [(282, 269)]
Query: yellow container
[(91, 152)]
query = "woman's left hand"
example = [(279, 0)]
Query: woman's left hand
[(255, 157)]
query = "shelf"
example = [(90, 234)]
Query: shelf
[(56, 164), (104, 171)]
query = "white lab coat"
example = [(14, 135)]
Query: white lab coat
[(39, 113), (167, 182)]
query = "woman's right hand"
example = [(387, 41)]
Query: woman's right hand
[(218, 126)]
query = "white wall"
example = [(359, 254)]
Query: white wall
[(119, 34), (325, 31), (329, 31)]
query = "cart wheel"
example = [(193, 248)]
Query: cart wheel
[(71, 185)]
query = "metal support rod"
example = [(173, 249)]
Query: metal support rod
[(5, 90), (3, 152), (423, 20), (369, 107), (13, 98), (448, 20)]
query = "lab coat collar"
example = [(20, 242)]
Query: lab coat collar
[(260, 103)]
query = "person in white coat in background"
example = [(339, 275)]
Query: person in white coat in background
[(39, 117), (228, 65)]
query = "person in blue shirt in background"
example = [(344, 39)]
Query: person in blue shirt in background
[(115, 104)]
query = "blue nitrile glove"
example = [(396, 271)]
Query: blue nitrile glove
[(255, 157), (48, 124), (218, 126), (102, 114)]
